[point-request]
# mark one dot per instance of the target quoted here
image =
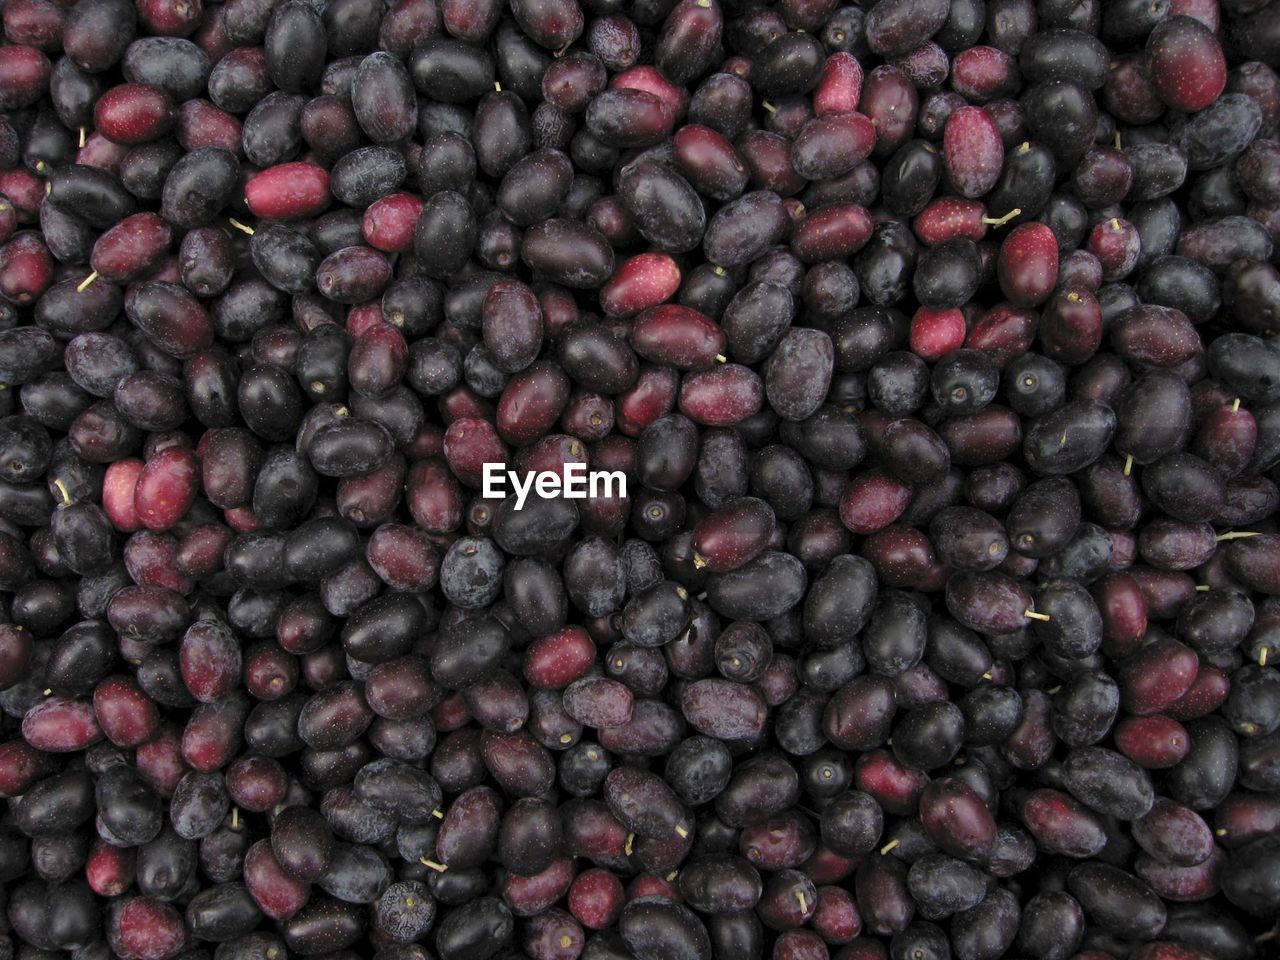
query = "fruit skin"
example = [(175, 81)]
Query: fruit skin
[(1250, 881), (645, 280), (288, 191), (973, 150), (1188, 67), (654, 927), (935, 333), (947, 405), (1028, 264)]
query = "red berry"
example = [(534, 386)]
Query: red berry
[(1028, 264), (935, 333), (1187, 64), (973, 150)]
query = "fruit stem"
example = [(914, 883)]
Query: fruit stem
[(1262, 657), (1235, 405), (804, 904), (84, 284), (884, 851), (82, 137), (1001, 221), (702, 595), (437, 867), (1128, 464), (1236, 535), (721, 358), (235, 818), (682, 832), (1202, 587), (987, 676), (1118, 147), (62, 490), (240, 226), (699, 561), (438, 814), (626, 847), (768, 106), (497, 86), (1036, 616), (672, 875)]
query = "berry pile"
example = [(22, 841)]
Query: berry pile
[(937, 343)]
